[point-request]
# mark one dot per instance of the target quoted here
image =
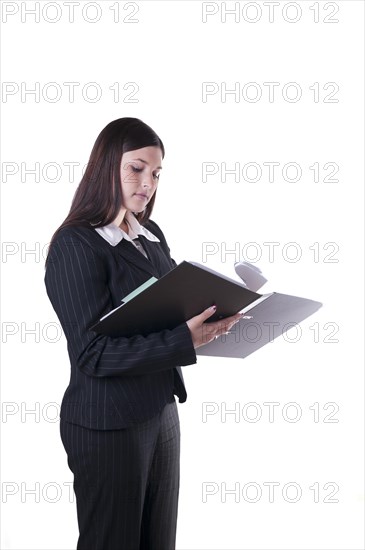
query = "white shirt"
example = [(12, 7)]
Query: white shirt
[(114, 234)]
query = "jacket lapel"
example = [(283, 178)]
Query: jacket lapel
[(150, 265)]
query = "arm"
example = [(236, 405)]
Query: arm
[(76, 283)]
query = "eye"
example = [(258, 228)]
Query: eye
[(156, 176)]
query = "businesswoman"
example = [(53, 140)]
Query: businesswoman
[(119, 421)]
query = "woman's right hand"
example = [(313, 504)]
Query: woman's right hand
[(202, 333)]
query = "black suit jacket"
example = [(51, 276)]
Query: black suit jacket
[(115, 382)]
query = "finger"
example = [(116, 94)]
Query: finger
[(235, 317), (206, 314), (225, 328), (225, 324), (231, 318)]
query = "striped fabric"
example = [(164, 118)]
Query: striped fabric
[(114, 382), (126, 483)]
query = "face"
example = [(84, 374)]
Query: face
[(140, 171)]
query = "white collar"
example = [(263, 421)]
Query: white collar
[(114, 234)]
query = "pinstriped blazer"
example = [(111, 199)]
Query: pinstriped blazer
[(114, 382)]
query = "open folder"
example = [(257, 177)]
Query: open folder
[(187, 290)]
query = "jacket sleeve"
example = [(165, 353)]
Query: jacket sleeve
[(76, 284)]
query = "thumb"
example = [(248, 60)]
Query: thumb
[(207, 313)]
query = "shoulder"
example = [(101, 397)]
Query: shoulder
[(77, 241), (152, 226), (79, 233), (156, 230)]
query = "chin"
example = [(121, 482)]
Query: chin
[(135, 212)]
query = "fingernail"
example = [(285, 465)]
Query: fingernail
[(213, 308)]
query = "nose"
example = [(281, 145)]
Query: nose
[(149, 181)]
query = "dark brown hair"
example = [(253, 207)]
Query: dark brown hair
[(98, 197)]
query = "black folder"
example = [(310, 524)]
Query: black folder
[(187, 290), (182, 293)]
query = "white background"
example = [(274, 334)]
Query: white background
[(169, 52)]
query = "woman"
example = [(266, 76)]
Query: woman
[(119, 421)]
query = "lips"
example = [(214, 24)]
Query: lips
[(141, 195)]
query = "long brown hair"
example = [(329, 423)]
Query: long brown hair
[(98, 197)]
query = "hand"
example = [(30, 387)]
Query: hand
[(203, 333)]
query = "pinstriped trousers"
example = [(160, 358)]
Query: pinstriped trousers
[(126, 483)]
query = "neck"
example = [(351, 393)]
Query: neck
[(124, 225), (120, 219)]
